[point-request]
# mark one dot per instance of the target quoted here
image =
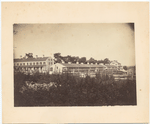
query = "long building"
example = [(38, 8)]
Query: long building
[(82, 69), (41, 64), (46, 64)]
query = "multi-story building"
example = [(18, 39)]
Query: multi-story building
[(41, 64), (117, 64)]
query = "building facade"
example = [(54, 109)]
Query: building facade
[(117, 64), (29, 65), (111, 67), (131, 70), (81, 69)]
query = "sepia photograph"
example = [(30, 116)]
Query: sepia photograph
[(74, 64)]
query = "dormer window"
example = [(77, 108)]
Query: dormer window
[(41, 63)]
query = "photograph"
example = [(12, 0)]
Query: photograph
[(74, 64)]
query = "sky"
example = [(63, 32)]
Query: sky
[(99, 40)]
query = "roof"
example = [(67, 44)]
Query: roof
[(30, 66), (82, 65), (115, 61), (130, 67), (31, 59), (109, 66)]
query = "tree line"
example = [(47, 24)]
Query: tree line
[(74, 59)]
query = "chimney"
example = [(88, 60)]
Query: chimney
[(36, 56)]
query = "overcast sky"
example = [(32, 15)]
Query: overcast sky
[(103, 40)]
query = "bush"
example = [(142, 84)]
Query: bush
[(73, 90)]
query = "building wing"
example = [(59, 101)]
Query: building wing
[(82, 65), (31, 59)]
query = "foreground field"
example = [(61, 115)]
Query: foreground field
[(68, 90)]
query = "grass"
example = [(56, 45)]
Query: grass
[(70, 90)]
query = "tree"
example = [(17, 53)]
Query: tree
[(74, 59), (69, 58), (82, 60), (106, 61), (100, 61), (57, 55), (125, 67), (64, 58), (92, 60), (29, 55)]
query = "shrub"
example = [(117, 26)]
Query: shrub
[(73, 90)]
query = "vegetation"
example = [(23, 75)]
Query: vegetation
[(69, 90), (125, 67), (74, 59)]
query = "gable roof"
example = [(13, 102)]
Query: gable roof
[(82, 65), (31, 59)]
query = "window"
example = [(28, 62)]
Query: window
[(30, 63), (34, 63), (20, 63), (17, 63), (37, 63), (51, 69), (41, 63), (23, 63), (27, 63)]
